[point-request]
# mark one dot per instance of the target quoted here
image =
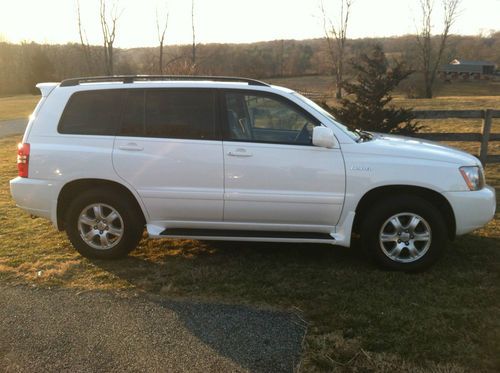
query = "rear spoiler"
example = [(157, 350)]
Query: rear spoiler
[(46, 88)]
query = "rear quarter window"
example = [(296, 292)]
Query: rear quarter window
[(92, 113)]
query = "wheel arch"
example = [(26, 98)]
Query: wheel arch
[(74, 187), (381, 192)]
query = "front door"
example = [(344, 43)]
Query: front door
[(274, 177)]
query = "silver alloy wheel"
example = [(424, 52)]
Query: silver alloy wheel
[(405, 237), (100, 226)]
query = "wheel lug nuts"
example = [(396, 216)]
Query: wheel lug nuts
[(406, 243), (100, 232), (95, 226), (412, 236), (399, 241)]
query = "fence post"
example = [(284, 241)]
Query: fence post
[(485, 136)]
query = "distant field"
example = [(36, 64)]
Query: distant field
[(326, 84), (14, 107)]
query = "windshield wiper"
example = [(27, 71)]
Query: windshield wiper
[(363, 135)]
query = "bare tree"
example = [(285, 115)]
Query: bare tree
[(282, 58), (83, 39), (431, 54), (336, 36), (108, 26), (193, 50), (161, 36)]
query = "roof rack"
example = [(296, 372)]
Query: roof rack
[(133, 78)]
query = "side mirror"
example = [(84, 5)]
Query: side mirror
[(324, 137)]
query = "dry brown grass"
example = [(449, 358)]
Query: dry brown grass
[(469, 90), (15, 107)]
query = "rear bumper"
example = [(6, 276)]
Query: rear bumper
[(34, 196), (472, 210)]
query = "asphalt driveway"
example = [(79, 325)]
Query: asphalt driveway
[(64, 330)]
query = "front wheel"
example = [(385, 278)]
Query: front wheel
[(404, 233), (102, 225)]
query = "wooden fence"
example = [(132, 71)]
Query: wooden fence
[(484, 137)]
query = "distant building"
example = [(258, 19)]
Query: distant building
[(462, 69)]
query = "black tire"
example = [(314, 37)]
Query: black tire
[(129, 222), (403, 208)]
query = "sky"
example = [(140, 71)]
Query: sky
[(227, 21)]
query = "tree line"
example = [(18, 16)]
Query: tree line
[(23, 65)]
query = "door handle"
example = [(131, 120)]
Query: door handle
[(131, 147), (239, 153)]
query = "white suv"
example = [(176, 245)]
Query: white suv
[(218, 158)]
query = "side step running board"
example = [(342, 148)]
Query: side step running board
[(183, 232)]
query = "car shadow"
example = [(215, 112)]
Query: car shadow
[(260, 339)]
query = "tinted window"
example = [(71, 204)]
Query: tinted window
[(92, 113), (170, 113), (261, 118), (133, 121)]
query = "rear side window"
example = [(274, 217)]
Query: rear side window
[(92, 113), (170, 113)]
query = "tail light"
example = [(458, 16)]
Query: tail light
[(23, 159)]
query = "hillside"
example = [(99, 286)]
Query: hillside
[(21, 66)]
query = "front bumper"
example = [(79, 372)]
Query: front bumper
[(472, 209)]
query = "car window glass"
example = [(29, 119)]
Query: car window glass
[(92, 113), (180, 114), (259, 118), (133, 123), (169, 113)]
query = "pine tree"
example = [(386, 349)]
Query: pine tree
[(370, 108)]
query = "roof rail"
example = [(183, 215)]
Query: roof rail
[(133, 78)]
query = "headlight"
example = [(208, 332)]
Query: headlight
[(473, 176)]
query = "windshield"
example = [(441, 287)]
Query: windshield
[(353, 135)]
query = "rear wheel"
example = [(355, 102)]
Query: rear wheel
[(102, 225), (404, 233)]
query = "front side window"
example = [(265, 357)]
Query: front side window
[(92, 113), (169, 113), (263, 118)]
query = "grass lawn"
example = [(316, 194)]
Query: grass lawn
[(326, 85), (359, 318), (15, 107)]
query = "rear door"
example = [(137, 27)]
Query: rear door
[(274, 176), (169, 150)]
